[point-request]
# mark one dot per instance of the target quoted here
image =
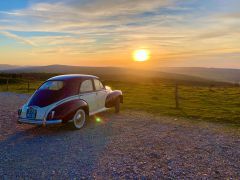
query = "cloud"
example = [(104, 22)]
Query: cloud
[(100, 22), (69, 15), (235, 16), (170, 28), (18, 38), (106, 7)]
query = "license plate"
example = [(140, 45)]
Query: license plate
[(31, 113)]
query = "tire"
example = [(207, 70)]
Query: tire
[(79, 119), (117, 105)]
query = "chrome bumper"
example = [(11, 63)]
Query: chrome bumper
[(39, 122)]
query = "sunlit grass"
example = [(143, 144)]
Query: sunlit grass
[(215, 104), (21, 87)]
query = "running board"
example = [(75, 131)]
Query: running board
[(98, 111)]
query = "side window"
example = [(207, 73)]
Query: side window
[(86, 86), (98, 84)]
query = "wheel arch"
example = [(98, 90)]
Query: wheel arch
[(67, 110), (111, 98)]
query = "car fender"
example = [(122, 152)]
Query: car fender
[(67, 110), (111, 98)]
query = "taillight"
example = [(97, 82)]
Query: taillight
[(51, 115)]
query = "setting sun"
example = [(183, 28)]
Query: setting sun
[(141, 55)]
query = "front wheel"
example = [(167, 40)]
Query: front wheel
[(79, 119), (117, 105)]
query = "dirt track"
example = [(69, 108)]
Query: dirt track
[(131, 144)]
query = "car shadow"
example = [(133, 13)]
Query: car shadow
[(55, 151)]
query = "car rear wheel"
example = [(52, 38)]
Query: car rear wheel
[(79, 119), (117, 105)]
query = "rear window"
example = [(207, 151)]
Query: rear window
[(52, 85)]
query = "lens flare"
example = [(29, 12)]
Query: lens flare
[(98, 119)]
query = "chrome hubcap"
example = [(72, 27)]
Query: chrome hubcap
[(79, 119)]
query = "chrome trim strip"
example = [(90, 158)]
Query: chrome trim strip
[(39, 122), (66, 100), (52, 106)]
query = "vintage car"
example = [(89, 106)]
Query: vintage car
[(69, 98)]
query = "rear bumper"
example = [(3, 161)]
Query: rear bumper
[(38, 122)]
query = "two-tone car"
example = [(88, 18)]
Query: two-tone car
[(69, 98)]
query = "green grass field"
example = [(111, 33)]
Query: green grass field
[(220, 104), (216, 104)]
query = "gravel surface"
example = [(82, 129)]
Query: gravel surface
[(128, 145)]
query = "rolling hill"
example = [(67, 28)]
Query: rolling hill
[(216, 74), (198, 75), (7, 67)]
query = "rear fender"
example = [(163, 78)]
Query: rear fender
[(111, 98), (67, 110)]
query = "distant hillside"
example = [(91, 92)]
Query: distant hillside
[(216, 74), (114, 73), (6, 66), (64, 69)]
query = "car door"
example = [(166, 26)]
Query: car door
[(87, 93), (101, 93)]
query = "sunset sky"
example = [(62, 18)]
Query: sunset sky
[(203, 33)]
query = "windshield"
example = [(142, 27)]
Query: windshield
[(52, 85)]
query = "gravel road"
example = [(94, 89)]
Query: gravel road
[(129, 145)]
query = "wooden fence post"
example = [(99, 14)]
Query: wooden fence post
[(176, 96), (7, 84), (28, 86)]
